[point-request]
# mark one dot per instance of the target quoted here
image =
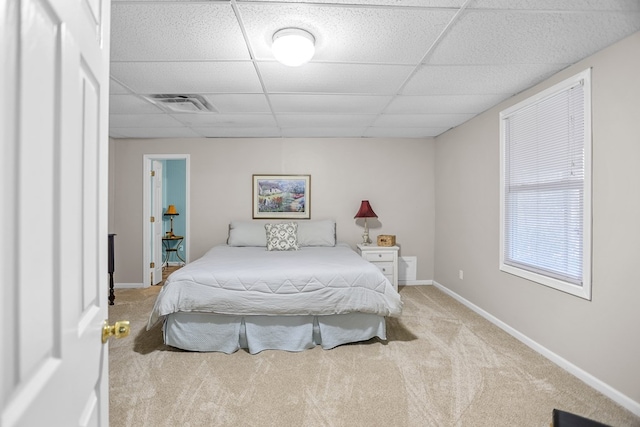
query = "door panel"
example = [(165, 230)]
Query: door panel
[(53, 366), (90, 184), (42, 39)]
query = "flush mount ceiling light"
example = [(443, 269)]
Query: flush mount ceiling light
[(293, 46)]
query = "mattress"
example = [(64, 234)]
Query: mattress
[(250, 281)]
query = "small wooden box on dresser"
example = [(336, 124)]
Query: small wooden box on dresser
[(383, 257)]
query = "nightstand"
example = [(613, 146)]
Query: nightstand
[(383, 257)]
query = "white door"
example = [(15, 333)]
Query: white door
[(54, 57), (156, 225)]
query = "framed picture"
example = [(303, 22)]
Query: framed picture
[(281, 196)]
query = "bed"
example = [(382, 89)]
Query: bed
[(290, 292)]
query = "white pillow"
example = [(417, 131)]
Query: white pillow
[(282, 237), (317, 233), (247, 233)]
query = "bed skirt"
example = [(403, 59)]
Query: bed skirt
[(227, 333)]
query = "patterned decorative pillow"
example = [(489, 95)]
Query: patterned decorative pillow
[(282, 237)]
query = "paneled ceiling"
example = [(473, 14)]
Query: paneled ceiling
[(382, 68)]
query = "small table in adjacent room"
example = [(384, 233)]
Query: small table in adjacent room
[(171, 245)]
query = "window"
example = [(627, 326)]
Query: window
[(545, 178)]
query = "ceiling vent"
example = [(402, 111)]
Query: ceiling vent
[(182, 103)]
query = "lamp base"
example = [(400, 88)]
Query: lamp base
[(366, 241), (170, 233)]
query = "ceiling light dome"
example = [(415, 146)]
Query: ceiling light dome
[(293, 46)]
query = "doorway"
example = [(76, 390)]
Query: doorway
[(166, 213)]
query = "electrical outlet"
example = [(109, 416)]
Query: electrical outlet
[(461, 274)]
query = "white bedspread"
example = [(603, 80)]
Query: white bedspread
[(254, 281)]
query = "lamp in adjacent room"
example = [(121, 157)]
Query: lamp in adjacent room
[(365, 212), (171, 212), (293, 46)]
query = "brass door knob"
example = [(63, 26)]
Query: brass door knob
[(119, 329)]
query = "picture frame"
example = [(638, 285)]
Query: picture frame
[(281, 196)]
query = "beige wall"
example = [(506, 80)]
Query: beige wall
[(396, 175), (600, 336)]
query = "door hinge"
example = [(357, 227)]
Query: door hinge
[(152, 265), (153, 173), (152, 219), (151, 279)]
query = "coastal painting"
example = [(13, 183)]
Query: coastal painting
[(281, 196)]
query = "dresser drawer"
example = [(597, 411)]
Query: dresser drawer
[(378, 256), (385, 267)]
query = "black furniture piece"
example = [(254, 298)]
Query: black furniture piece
[(171, 244), (112, 295), (567, 419)]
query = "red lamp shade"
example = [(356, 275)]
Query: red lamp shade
[(365, 211)]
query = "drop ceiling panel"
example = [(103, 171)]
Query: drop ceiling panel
[(323, 132), (404, 132), (176, 31), (336, 104), (477, 79), (142, 121), (153, 132), (346, 34), (393, 3), (225, 120), (319, 120), (117, 88), (131, 104), (439, 104), (239, 103), (235, 132), (422, 120), (168, 1), (187, 77), (334, 78), (572, 5), (530, 37)]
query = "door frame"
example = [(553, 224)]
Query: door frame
[(156, 192), (146, 200)]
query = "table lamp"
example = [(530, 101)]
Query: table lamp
[(171, 212), (365, 212)]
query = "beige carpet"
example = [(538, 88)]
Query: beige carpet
[(443, 365)]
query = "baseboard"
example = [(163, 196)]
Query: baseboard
[(414, 282), (128, 285), (604, 388)]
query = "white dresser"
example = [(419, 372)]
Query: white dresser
[(383, 257)]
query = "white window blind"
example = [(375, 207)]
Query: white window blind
[(545, 217)]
